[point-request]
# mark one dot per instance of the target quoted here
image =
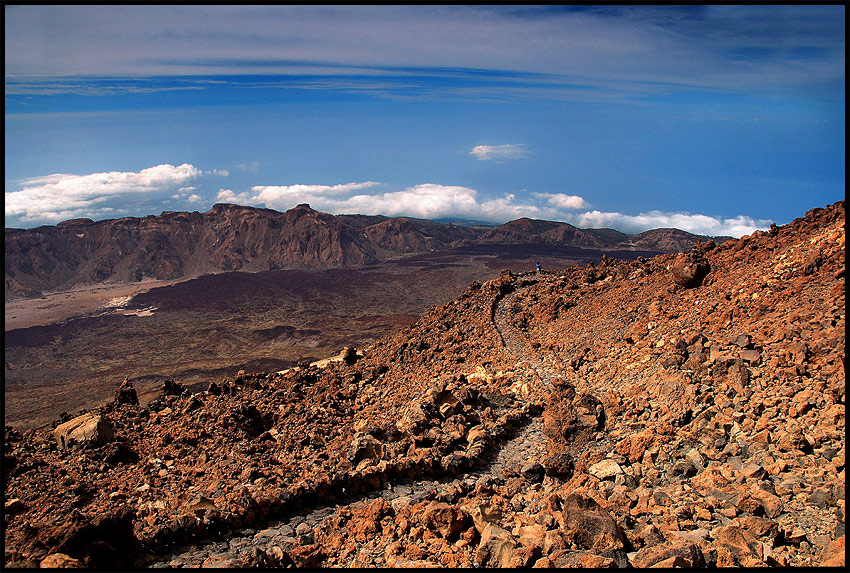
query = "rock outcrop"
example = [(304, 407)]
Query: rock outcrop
[(91, 430)]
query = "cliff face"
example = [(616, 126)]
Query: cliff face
[(683, 410), (231, 237), (174, 245), (226, 238)]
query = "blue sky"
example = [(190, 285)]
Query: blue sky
[(716, 120)]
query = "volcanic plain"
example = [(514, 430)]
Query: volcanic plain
[(68, 350)]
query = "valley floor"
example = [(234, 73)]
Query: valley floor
[(58, 306), (70, 350)]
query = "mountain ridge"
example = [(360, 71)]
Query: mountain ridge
[(229, 237)]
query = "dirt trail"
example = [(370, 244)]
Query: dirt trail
[(531, 443), (527, 443)]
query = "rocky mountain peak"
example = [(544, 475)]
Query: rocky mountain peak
[(301, 209)]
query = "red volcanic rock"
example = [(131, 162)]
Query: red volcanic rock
[(662, 442), (737, 547), (60, 561), (835, 555), (445, 519), (496, 548), (689, 269), (591, 526), (669, 554), (126, 393)]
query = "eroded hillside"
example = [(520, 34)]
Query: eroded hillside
[(181, 245), (683, 410)]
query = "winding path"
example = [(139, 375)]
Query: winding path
[(527, 443), (533, 443)]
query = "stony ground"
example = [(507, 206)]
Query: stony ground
[(684, 410)]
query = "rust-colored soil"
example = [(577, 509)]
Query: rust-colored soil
[(680, 411)]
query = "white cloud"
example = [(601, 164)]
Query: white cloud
[(427, 200), (61, 196), (435, 201), (697, 224), (229, 196), (563, 201), (282, 194), (58, 197), (499, 152)]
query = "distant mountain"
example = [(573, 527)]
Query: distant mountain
[(466, 222), (668, 240), (225, 238), (403, 235), (544, 232), (609, 236), (230, 237)]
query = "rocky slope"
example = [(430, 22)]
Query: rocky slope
[(231, 237), (684, 410)]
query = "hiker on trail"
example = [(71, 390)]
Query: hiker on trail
[(538, 267)]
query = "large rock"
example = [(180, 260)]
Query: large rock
[(90, 430), (496, 548), (447, 520), (571, 419), (689, 269), (605, 469), (365, 449), (737, 547), (14, 505), (60, 561), (559, 465), (172, 388), (414, 420), (483, 514), (834, 555), (126, 393), (670, 554), (592, 526)]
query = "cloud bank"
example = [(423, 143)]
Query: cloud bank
[(696, 223), (435, 201), (57, 197)]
